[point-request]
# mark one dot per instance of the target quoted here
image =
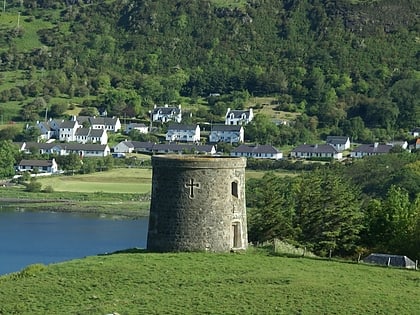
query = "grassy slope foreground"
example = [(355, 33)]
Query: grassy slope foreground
[(200, 283)]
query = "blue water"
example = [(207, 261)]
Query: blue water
[(47, 237)]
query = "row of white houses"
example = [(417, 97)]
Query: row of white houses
[(80, 129), (167, 113)]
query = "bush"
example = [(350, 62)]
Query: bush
[(33, 186), (48, 189)]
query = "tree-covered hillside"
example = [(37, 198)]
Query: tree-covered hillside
[(351, 66)]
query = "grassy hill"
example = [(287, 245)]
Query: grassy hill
[(201, 283)]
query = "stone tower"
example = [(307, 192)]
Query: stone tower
[(198, 204)]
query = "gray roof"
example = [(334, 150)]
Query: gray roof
[(226, 128), (68, 124), (173, 147), (238, 113), (107, 121), (142, 144), (166, 110), (263, 148), (315, 148), (337, 139), (35, 163), (97, 132), (41, 145), (84, 147), (83, 132), (373, 148), (181, 127), (390, 260)]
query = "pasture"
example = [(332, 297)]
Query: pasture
[(119, 180), (254, 282)]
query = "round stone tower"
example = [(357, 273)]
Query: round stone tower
[(198, 204)]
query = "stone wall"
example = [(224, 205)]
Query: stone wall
[(198, 204)]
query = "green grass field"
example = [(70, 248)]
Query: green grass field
[(201, 283), (121, 180)]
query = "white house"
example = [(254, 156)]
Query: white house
[(142, 128), (166, 113), (127, 146), (86, 150), (67, 130), (89, 135), (39, 166), (308, 151), (184, 133), (110, 124), (370, 149), (257, 152), (339, 143), (238, 117), (227, 133)]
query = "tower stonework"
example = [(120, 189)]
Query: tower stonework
[(198, 204)]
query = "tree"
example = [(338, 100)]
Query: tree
[(262, 130), (70, 163), (271, 212), (328, 212), (8, 158)]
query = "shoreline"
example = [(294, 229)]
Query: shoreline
[(129, 209)]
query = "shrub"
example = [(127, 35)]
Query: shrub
[(33, 186)]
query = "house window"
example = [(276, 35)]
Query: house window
[(234, 186)]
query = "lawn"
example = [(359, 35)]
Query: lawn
[(201, 283), (29, 26), (120, 180)]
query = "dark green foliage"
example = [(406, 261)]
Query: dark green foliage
[(8, 157), (33, 185), (320, 210), (345, 65)]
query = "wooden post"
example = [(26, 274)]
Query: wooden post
[(330, 254)]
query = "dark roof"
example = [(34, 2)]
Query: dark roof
[(97, 132), (238, 113), (315, 148), (173, 147), (107, 121), (390, 260), (181, 127), (83, 147), (142, 144), (373, 148), (41, 145), (35, 163), (68, 124), (226, 128), (82, 119), (166, 110), (337, 139), (263, 148), (82, 132)]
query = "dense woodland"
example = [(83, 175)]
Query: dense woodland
[(338, 67)]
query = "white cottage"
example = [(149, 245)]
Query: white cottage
[(238, 117), (183, 133), (226, 133)]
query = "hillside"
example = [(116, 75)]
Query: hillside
[(200, 283), (351, 66)]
